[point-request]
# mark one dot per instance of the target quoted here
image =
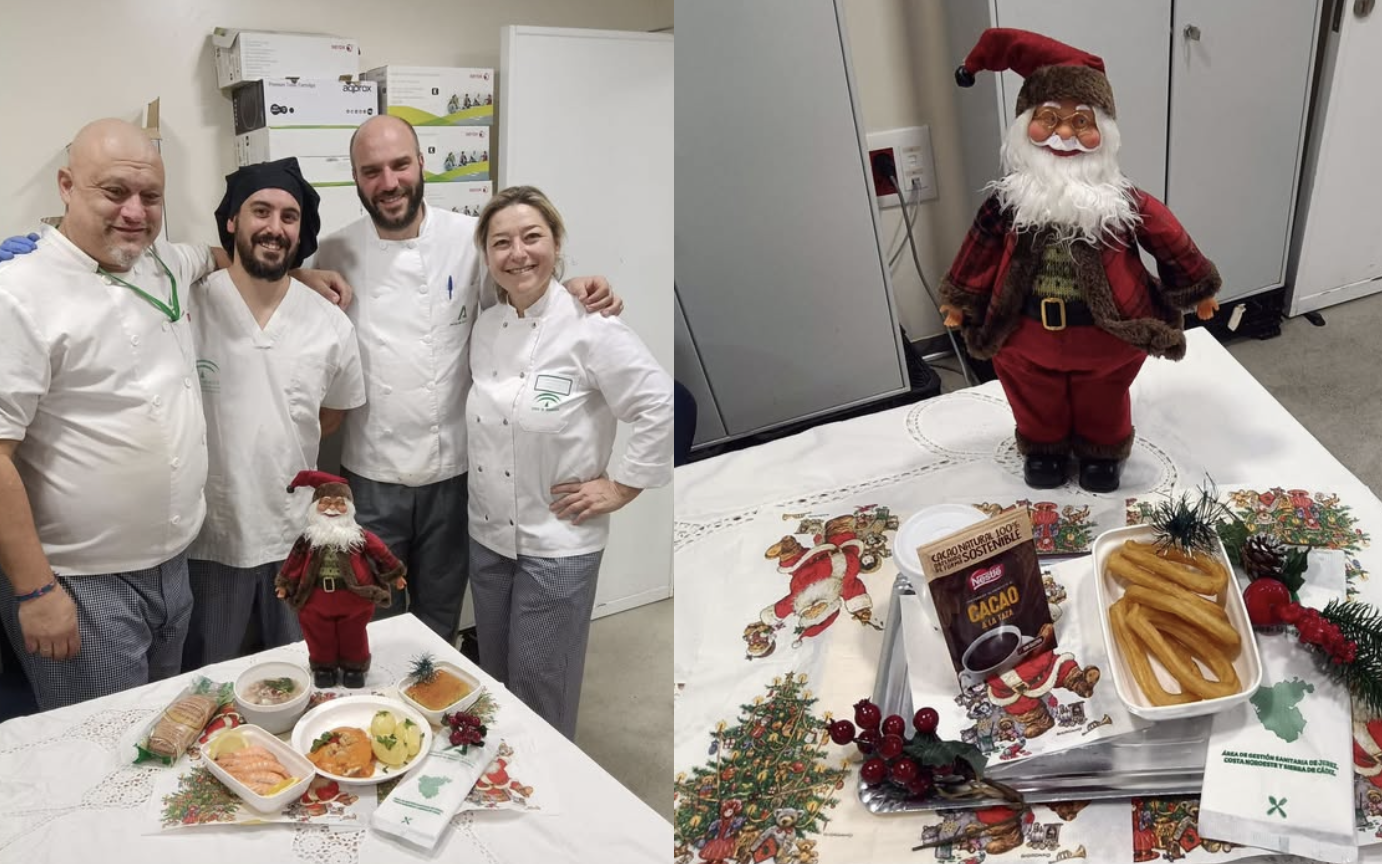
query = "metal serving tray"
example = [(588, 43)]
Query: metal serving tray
[(1166, 758)]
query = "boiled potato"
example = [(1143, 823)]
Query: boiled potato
[(390, 750), (383, 723), (412, 737)]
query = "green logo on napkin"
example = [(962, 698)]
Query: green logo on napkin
[(1276, 708), (429, 786), (1276, 807)]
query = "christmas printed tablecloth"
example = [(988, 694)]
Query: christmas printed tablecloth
[(771, 581)]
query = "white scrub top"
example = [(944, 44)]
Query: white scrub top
[(263, 390)]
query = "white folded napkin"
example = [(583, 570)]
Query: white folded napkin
[(420, 807), (1279, 768)]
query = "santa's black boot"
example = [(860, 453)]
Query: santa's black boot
[(353, 674), (1100, 475), (1101, 465), (1045, 463), (1044, 471), (323, 676)]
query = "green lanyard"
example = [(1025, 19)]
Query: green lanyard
[(173, 312)]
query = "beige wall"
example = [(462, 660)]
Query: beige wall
[(66, 62), (904, 77)]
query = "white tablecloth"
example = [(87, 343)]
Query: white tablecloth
[(1202, 417), (68, 790)]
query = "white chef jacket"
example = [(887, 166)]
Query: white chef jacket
[(262, 391), (542, 410), (100, 389), (415, 302)]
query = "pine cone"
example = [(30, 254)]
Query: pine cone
[(1263, 556)]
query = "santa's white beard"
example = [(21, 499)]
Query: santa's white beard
[(1084, 197), (336, 532)]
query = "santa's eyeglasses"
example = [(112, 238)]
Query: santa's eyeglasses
[(1081, 122)]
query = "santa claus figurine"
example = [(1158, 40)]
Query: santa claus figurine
[(1049, 283), (335, 575)]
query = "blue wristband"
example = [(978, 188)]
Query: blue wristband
[(34, 595)]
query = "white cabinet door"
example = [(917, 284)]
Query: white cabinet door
[(1132, 37), (779, 269), (1341, 242), (1240, 84)]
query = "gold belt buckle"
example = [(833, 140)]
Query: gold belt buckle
[(329, 584), (1059, 303)]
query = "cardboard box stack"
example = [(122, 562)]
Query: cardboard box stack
[(451, 109), (298, 94)]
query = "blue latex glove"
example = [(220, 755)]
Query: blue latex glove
[(18, 246)]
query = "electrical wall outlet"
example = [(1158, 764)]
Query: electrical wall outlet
[(915, 166)]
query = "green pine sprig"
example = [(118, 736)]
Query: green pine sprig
[(424, 669), (1360, 623), (1190, 522)]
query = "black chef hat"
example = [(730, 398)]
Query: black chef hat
[(283, 174)]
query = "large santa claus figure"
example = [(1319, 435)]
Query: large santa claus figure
[(1049, 283), (335, 575)]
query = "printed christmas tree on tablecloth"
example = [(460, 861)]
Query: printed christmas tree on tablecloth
[(766, 785)]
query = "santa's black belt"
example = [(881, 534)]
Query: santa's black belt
[(331, 583), (1057, 313)]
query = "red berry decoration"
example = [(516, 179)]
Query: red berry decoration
[(867, 741), (1311, 632), (926, 721), (890, 747), (1290, 613), (874, 770), (842, 732), (867, 715), (894, 725), (904, 771), (1265, 598), (919, 786)]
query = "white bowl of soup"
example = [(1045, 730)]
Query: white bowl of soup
[(453, 689), (273, 695)]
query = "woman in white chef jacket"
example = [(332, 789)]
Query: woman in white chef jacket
[(550, 384)]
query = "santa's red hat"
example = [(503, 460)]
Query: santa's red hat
[(324, 483), (1051, 70)]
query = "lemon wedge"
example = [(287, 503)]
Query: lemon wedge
[(227, 743), (279, 787)]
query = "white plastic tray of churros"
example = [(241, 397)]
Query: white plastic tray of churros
[(1176, 628), (1179, 648)]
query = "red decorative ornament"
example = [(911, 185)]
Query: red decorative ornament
[(867, 715), (1265, 599)]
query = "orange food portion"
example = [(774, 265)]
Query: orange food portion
[(348, 753), (444, 690)]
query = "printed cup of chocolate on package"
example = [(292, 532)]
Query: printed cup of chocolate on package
[(986, 586)]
